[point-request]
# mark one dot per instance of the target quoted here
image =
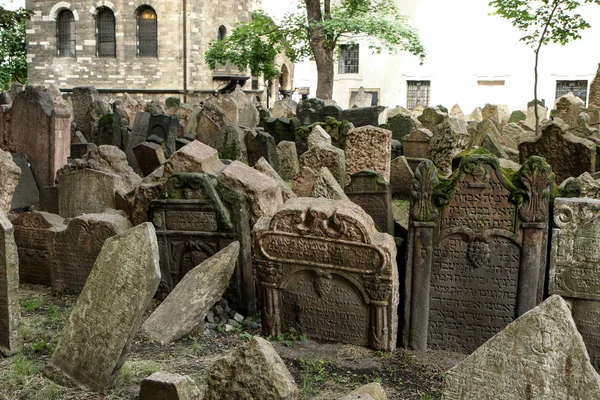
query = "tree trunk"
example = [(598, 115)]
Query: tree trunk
[(323, 54)]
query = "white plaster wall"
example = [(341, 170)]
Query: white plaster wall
[(464, 44)]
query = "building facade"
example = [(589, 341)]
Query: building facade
[(144, 47)]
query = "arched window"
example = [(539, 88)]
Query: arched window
[(65, 34), (105, 33), (222, 32), (147, 29)]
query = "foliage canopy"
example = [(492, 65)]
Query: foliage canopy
[(13, 48)]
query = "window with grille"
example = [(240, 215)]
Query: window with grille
[(65, 34), (222, 32), (348, 62), (579, 89), (417, 93), (105, 33), (147, 33)]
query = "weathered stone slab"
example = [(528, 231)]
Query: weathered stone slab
[(432, 117), (321, 154), (285, 108), (260, 144), (263, 166), (360, 99), (308, 111), (263, 193), (288, 160), (87, 111), (304, 182), (93, 345), (401, 124), (195, 217), (365, 116), (401, 177), (326, 186), (324, 270), (27, 194), (538, 356), (74, 249), (369, 190), (165, 386), (449, 139), (253, 371), (34, 236), (9, 179), (187, 304), (149, 156), (575, 265), (11, 340), (74, 189), (370, 148), (416, 144), (568, 154), (478, 253)]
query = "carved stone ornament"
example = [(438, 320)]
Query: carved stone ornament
[(426, 178)]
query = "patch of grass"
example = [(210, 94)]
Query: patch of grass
[(312, 374), (134, 371), (33, 304), (288, 337)]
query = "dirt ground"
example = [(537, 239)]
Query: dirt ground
[(321, 370)]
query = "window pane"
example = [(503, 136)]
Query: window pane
[(348, 62), (579, 89), (417, 93), (66, 34), (147, 34), (105, 23)]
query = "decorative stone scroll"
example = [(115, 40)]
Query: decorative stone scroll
[(195, 217), (478, 253), (575, 265), (325, 271)]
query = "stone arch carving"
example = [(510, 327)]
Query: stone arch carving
[(103, 4), (58, 7)]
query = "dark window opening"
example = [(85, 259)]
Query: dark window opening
[(222, 32), (579, 89), (65, 34), (417, 94), (348, 61), (147, 33), (105, 33)]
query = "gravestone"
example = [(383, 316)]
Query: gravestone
[(376, 115), (263, 166), (323, 154), (416, 143), (499, 112), (282, 128), (10, 312), (401, 125), (166, 386), (308, 111), (538, 356), (36, 127), (325, 271), (568, 154), (260, 144), (304, 182), (401, 177), (516, 116), (360, 99), (26, 194), (74, 189), (285, 108), (478, 253), (189, 302), (34, 236), (289, 165), (75, 248), (112, 129), (333, 111), (88, 109), (370, 148), (449, 139), (369, 190), (10, 174), (575, 265), (149, 156), (195, 217), (432, 117), (139, 132), (327, 186), (165, 127), (94, 343)]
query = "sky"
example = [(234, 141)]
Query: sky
[(12, 4)]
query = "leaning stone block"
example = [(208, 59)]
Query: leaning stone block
[(165, 386), (10, 313)]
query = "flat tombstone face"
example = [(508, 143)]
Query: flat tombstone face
[(34, 243), (325, 308)]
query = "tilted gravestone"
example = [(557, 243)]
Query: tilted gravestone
[(568, 154), (575, 265), (369, 190), (538, 356), (10, 313), (93, 345), (325, 271), (478, 251), (261, 144), (195, 217)]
